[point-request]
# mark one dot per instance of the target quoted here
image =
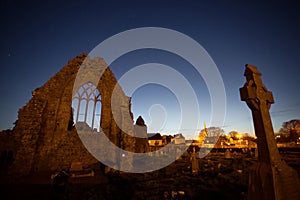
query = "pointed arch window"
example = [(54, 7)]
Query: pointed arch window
[(86, 104)]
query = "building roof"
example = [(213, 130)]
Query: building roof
[(154, 136), (178, 136)]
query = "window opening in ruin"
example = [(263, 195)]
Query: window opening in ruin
[(86, 106)]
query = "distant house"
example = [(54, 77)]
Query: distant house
[(155, 139), (178, 139), (166, 139)]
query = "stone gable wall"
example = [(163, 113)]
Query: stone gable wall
[(44, 141)]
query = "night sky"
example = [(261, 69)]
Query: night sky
[(39, 37)]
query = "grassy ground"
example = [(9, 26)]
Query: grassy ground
[(218, 178)]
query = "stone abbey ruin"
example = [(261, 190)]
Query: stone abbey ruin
[(84, 100), (45, 137)]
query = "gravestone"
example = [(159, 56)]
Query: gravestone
[(270, 177), (227, 154), (194, 161), (76, 166)]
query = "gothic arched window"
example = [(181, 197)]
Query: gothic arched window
[(86, 105)]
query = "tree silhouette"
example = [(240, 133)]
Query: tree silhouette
[(210, 134), (291, 129)]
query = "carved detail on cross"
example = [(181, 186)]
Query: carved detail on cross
[(254, 91), (259, 100)]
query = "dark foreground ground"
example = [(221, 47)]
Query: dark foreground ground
[(218, 178)]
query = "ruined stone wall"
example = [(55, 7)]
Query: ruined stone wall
[(45, 142), (7, 150)]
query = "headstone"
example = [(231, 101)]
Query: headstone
[(195, 164), (270, 177), (234, 154), (227, 154), (76, 166)]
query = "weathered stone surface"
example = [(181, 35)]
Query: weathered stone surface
[(270, 178), (45, 137), (140, 121), (140, 133)]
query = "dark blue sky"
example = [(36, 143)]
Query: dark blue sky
[(39, 37)]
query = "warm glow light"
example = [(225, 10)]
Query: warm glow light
[(239, 136)]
